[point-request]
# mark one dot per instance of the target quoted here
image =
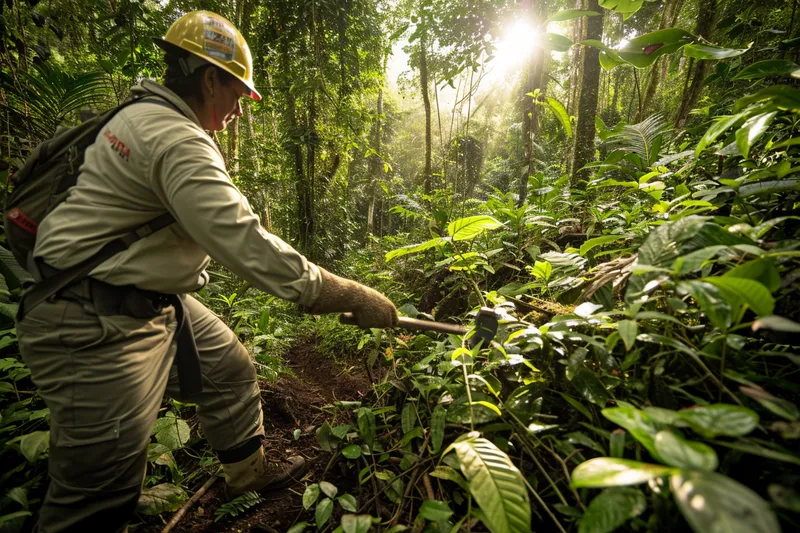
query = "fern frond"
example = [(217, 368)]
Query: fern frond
[(643, 139), (238, 505)]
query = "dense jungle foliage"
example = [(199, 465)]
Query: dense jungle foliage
[(616, 179)]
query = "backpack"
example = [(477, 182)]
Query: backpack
[(41, 184)]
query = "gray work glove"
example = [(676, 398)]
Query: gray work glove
[(370, 308)]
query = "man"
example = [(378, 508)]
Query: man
[(103, 352)]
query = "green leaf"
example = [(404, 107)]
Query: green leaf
[(643, 51), (13, 516), (35, 445), (310, 496), (298, 527), (577, 405), (597, 241), (718, 307), (328, 488), (753, 293), (414, 248), (751, 130), (720, 419), (689, 455), (638, 423), (470, 227), (705, 51), (589, 385), (761, 270), (445, 472), (713, 502), (555, 41), (776, 323), (325, 437), (496, 484), (625, 7), (352, 523), (323, 512), (172, 431), (561, 114), (438, 418), (628, 329), (569, 14), (435, 511), (352, 451), (768, 67), (348, 502), (768, 187), (611, 509), (366, 426), (161, 499), (608, 472), (408, 417), (720, 126)]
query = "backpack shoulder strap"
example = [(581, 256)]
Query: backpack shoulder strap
[(47, 287)]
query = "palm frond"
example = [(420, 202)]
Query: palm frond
[(644, 139)]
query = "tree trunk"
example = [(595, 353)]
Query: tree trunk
[(233, 146), (583, 149), (375, 164), (578, 29), (423, 81), (704, 28)]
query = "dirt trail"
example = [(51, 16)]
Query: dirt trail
[(294, 402)]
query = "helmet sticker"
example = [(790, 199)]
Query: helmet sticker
[(219, 39)]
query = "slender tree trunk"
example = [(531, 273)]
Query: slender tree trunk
[(375, 163), (704, 28), (583, 149), (578, 29), (426, 100), (659, 69)]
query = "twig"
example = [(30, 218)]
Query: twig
[(426, 480), (413, 479), (546, 508), (188, 505)]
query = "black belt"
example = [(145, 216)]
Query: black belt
[(138, 303)]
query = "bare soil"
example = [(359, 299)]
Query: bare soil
[(293, 402)]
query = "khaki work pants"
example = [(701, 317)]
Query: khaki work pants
[(104, 378)]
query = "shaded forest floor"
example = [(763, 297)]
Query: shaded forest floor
[(295, 401)]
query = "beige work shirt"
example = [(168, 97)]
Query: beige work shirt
[(150, 159)]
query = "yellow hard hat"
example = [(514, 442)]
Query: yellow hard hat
[(215, 39)]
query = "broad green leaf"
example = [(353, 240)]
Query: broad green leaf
[(587, 309), (597, 241), (751, 130), (688, 455), (35, 445), (713, 502), (718, 307), (348, 502), (470, 227), (625, 7), (569, 14), (761, 270), (352, 451), (561, 114), (496, 484), (720, 126), (578, 406), (589, 385), (555, 41), (438, 418), (779, 406), (638, 423), (776, 323), (408, 417), (609, 472), (352, 523), (720, 419), (753, 293), (161, 499), (325, 437), (628, 329), (705, 51), (323, 512), (13, 516), (611, 509), (328, 488), (768, 187), (366, 426), (435, 511), (310, 495), (298, 527), (642, 51), (768, 67), (445, 472), (414, 248), (172, 431)]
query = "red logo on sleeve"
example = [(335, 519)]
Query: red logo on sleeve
[(117, 145), (23, 221)]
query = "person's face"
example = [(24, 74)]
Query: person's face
[(222, 100)]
